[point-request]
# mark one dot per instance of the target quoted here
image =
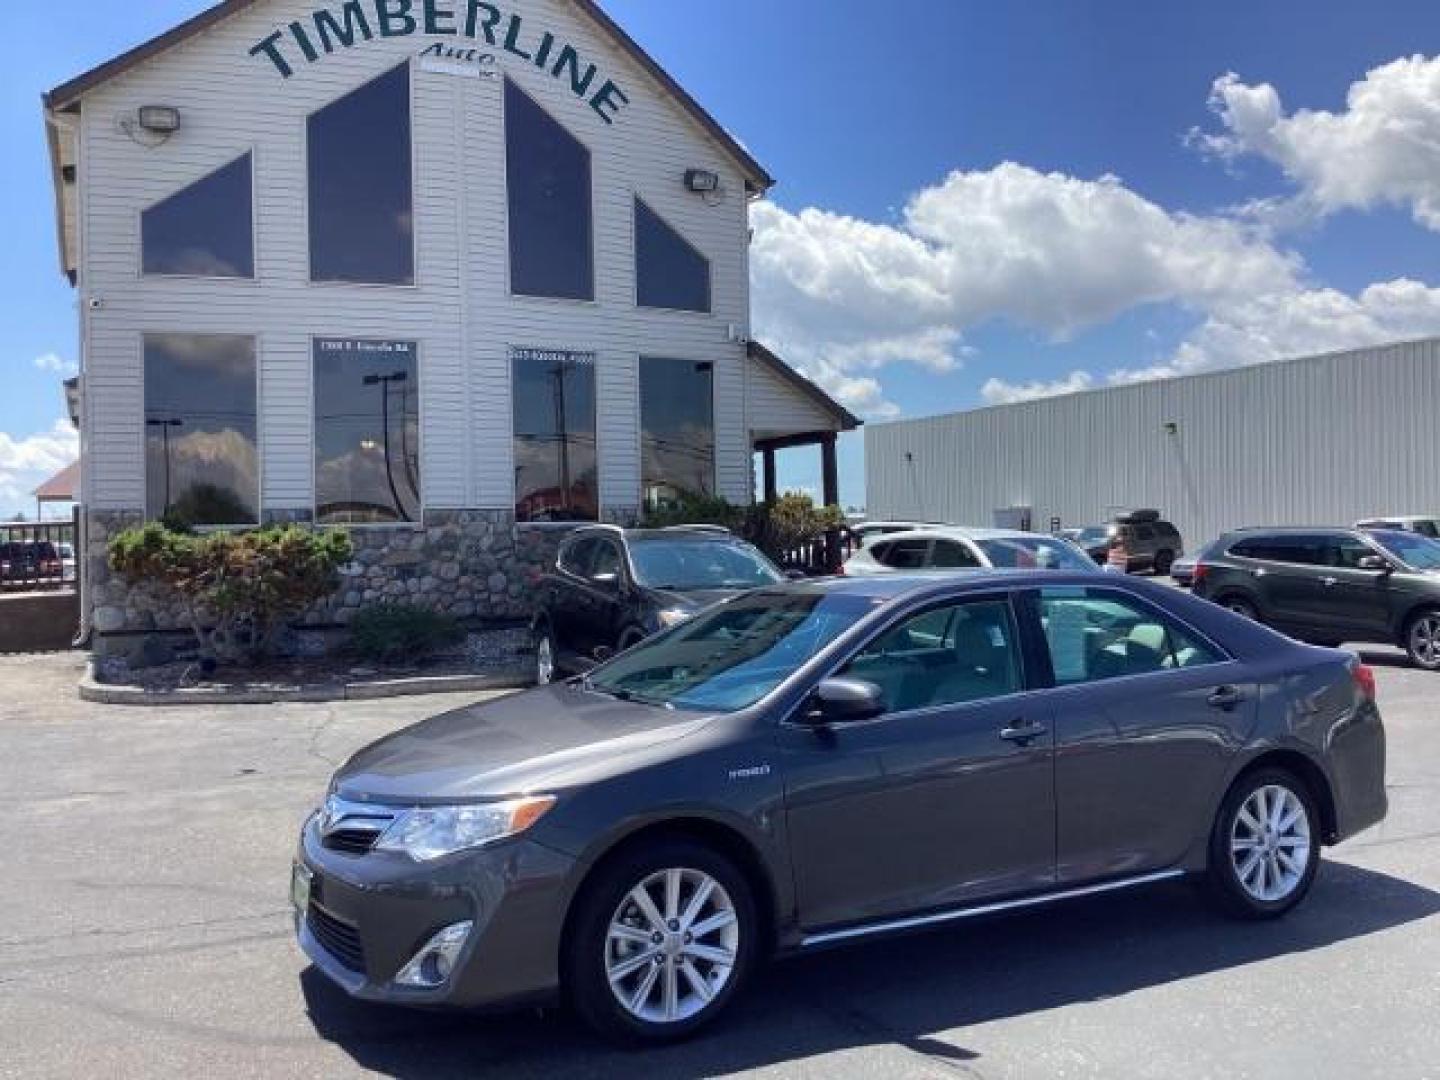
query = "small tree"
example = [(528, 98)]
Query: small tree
[(238, 589), (776, 528)]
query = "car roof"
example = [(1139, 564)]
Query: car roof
[(951, 532), (905, 583), (674, 532)]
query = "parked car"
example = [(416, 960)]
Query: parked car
[(67, 561), (610, 588), (948, 547), (29, 561), (1182, 570), (1424, 524), (1151, 542), (820, 762), (1332, 585)]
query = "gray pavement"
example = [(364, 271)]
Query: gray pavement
[(146, 934)]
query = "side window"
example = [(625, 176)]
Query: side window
[(1094, 636), (606, 562), (204, 230), (950, 554), (905, 554), (945, 656), (1346, 552), (1144, 533), (575, 557)]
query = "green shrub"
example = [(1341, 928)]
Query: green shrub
[(775, 528), (397, 633), (239, 589)]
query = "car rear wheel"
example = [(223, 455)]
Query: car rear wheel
[(1265, 845), (1422, 640), (661, 942), (1240, 606), (630, 638), (545, 657)]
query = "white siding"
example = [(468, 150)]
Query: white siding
[(777, 408), (460, 311), (1321, 440)]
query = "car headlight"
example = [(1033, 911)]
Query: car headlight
[(428, 832), (674, 617)]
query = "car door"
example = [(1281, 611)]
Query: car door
[(567, 597), (605, 584), (1284, 575), (945, 800), (1349, 599), (1147, 715)]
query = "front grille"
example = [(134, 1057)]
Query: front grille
[(340, 939), (351, 841)]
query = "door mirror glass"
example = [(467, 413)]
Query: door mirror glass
[(844, 701), (609, 579)]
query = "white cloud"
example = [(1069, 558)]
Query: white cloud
[(1383, 148), (839, 296), (1000, 392), (26, 463), (54, 362)]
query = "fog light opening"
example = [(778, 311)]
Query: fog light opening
[(433, 965)]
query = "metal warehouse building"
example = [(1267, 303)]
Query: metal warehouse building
[(1322, 439)]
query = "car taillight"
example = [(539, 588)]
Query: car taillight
[(1199, 573), (1364, 676)]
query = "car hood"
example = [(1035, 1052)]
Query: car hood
[(692, 599), (511, 746)]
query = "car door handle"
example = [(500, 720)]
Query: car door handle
[(1024, 733), (1330, 582), (1227, 698)]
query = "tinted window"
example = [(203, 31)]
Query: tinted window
[(732, 655), (576, 555), (947, 656), (606, 561), (361, 206), (1144, 533), (949, 554), (693, 564), (903, 554), (1346, 552), (1296, 550), (367, 431), (1096, 636), (677, 439), (548, 172), (206, 229), (1428, 528), (556, 468), (669, 273), (202, 465)]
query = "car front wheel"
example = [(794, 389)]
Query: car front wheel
[(1422, 640), (1265, 846), (545, 657), (660, 943)]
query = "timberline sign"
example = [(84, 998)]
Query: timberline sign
[(344, 25)]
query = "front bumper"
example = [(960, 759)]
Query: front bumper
[(369, 914)]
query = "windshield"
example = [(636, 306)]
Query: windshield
[(687, 565), (1411, 548), (1093, 533), (732, 655), (1034, 553)]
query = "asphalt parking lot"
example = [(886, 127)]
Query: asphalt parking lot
[(146, 934)]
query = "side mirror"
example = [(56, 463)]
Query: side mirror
[(609, 580), (1375, 562), (843, 701)]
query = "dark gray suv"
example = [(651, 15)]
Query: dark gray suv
[(1332, 585), (810, 764)]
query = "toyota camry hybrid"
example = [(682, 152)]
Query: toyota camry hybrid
[(813, 763)]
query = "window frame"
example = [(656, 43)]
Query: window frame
[(1030, 600), (260, 505), (421, 505), (594, 299), (709, 311), (415, 216), (253, 152)]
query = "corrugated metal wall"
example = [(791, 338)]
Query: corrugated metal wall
[(1326, 439)]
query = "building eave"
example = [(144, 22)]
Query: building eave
[(842, 417)]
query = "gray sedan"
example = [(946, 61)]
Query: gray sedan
[(822, 762)]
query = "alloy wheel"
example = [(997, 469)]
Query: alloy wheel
[(1270, 843), (545, 662), (1425, 640), (672, 946)]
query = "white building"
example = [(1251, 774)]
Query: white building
[(449, 270), (1320, 440)]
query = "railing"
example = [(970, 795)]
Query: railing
[(37, 555), (821, 556)]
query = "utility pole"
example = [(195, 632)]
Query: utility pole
[(384, 381)]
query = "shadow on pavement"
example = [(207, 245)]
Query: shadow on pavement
[(906, 992)]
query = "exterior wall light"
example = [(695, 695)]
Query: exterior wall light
[(158, 119), (1172, 428), (702, 181)]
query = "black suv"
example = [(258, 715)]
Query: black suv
[(611, 588), (1332, 585), (1151, 542)]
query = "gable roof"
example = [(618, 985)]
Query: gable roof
[(67, 95), (844, 419)]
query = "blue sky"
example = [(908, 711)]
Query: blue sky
[(977, 202)]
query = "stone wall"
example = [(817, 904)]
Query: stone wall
[(477, 565)]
